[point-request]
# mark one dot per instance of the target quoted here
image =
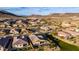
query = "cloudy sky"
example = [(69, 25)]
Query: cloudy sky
[(40, 10)]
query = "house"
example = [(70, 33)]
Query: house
[(37, 40), (5, 43), (18, 30), (19, 43), (63, 34), (19, 21), (33, 18), (1, 48), (33, 23), (2, 25), (20, 25), (77, 29), (70, 28), (8, 26), (66, 24), (44, 27), (14, 25), (43, 39), (72, 32), (2, 33), (13, 31), (7, 31), (6, 23)]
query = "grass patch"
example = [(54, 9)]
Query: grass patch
[(67, 47)]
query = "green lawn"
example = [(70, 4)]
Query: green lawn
[(67, 47)]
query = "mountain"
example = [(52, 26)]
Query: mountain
[(6, 14), (64, 14)]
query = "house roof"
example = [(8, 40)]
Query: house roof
[(62, 33), (41, 36), (24, 37), (4, 41), (32, 37), (1, 46), (20, 41), (73, 33)]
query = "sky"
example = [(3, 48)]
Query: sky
[(25, 11)]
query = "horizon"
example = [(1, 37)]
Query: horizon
[(27, 11)]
